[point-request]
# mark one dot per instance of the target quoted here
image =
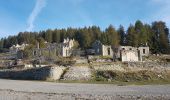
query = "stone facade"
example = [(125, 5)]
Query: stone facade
[(107, 50), (17, 50), (78, 73), (100, 49), (17, 47), (41, 73), (125, 53), (121, 48), (97, 46), (129, 53), (67, 47), (56, 49), (144, 51)]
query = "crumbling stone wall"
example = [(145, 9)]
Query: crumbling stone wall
[(153, 66), (129, 55), (78, 73), (43, 73)]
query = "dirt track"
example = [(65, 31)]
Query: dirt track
[(31, 90)]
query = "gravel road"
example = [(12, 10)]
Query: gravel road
[(32, 90)]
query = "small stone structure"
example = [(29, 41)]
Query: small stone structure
[(129, 55), (67, 46), (64, 49), (17, 47), (17, 50), (144, 51), (125, 53), (132, 54), (100, 49)]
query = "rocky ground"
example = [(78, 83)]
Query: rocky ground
[(78, 73), (29, 90)]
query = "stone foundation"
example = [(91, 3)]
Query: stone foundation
[(78, 73), (81, 72), (43, 73)]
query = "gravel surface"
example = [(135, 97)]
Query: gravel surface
[(78, 73), (32, 90)]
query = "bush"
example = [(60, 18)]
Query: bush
[(129, 76), (65, 62)]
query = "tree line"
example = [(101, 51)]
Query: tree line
[(154, 35)]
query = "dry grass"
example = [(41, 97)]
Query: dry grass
[(138, 76)]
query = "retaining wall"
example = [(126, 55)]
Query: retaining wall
[(43, 73)]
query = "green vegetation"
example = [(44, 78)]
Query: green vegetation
[(125, 78), (137, 76), (65, 61), (155, 35)]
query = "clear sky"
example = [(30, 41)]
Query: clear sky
[(36, 15)]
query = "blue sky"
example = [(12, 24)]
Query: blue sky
[(36, 15)]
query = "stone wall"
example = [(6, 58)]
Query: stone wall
[(100, 49), (144, 51), (43, 73), (111, 67), (140, 52), (82, 72), (56, 73), (134, 66), (107, 50), (78, 73), (129, 55), (81, 60), (153, 66), (6, 63)]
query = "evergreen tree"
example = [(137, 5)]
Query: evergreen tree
[(48, 35), (1, 44), (97, 32), (122, 35), (41, 42), (56, 36), (86, 38), (131, 36), (138, 33), (63, 35), (113, 36), (104, 38), (155, 35), (161, 33)]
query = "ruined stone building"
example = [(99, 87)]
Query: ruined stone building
[(144, 51), (17, 50), (63, 49), (124, 53), (129, 53), (100, 49), (67, 47), (17, 47)]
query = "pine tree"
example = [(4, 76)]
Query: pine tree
[(56, 36), (161, 40), (122, 35), (113, 36), (48, 35), (97, 32), (131, 36), (1, 44)]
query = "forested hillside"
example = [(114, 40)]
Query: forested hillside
[(155, 35)]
